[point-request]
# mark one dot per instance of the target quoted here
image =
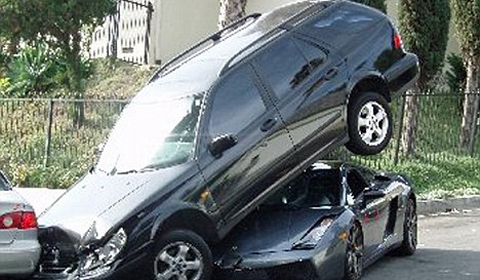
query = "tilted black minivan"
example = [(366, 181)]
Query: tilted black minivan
[(217, 130)]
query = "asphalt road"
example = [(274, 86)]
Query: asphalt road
[(449, 249)]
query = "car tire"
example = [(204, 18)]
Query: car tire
[(354, 254), (369, 124), (182, 254), (410, 230)]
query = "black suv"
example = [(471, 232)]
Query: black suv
[(217, 130)]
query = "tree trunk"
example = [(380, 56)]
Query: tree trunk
[(76, 80), (469, 105), (410, 123), (231, 11)]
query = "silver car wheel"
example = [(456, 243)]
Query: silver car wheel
[(373, 123), (178, 261)]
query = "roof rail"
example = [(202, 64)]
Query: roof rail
[(303, 15), (214, 38)]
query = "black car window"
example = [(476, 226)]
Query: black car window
[(3, 184), (282, 66), (313, 53), (237, 103), (346, 20), (356, 182), (316, 189)]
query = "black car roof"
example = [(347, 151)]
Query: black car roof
[(218, 52)]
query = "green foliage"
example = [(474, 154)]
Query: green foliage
[(456, 74), (467, 20), (32, 71), (454, 177), (59, 24), (37, 70), (4, 86), (424, 27), (378, 4)]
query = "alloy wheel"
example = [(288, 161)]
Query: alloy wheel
[(411, 226), (354, 256), (373, 123), (178, 261)]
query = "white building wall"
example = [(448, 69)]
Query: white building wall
[(181, 23)]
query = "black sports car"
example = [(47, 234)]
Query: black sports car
[(330, 222)]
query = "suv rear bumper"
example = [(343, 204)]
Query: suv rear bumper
[(403, 74)]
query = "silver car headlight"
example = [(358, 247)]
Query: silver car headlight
[(99, 260), (311, 239)]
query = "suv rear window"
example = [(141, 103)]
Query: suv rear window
[(288, 63)]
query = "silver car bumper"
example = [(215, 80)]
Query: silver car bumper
[(19, 258)]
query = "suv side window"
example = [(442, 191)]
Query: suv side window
[(314, 54), (282, 66), (236, 104)]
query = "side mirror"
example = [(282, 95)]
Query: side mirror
[(221, 143)]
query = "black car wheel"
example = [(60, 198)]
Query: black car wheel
[(410, 235), (182, 255), (354, 256), (369, 124)]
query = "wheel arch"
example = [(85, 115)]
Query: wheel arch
[(373, 83), (187, 219)]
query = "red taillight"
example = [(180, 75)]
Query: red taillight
[(397, 41), (18, 220), (29, 221)]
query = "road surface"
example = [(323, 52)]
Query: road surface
[(449, 249)]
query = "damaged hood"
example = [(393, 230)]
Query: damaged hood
[(272, 230), (98, 203)]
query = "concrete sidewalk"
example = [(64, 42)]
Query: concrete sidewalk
[(41, 198)]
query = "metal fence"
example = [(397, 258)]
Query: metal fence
[(125, 34), (41, 132)]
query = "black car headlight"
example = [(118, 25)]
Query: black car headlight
[(98, 261), (311, 239)]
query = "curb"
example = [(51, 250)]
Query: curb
[(433, 206)]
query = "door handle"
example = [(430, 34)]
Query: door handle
[(331, 73), (268, 124)]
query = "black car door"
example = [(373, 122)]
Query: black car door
[(239, 176), (307, 83), (369, 212)]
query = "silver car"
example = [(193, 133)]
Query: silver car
[(19, 247)]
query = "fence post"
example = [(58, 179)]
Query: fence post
[(473, 131), (400, 131), (48, 134), (150, 10)]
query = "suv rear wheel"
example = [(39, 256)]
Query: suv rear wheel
[(369, 123)]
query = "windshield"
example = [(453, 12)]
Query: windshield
[(152, 135)]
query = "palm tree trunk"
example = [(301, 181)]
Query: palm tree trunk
[(469, 105), (231, 11)]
